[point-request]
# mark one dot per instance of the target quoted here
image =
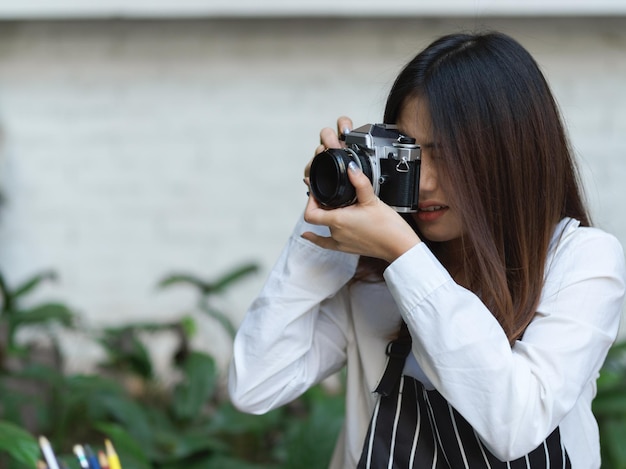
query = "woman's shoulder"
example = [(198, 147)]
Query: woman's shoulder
[(570, 230), (590, 244)]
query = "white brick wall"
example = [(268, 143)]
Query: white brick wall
[(130, 150)]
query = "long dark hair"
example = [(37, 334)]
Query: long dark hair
[(503, 148)]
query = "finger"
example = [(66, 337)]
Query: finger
[(321, 241), (344, 125), (312, 204), (320, 148), (307, 168), (364, 190), (329, 138), (313, 213)]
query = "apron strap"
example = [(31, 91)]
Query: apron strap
[(397, 351), (415, 428)]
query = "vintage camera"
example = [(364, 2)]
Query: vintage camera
[(390, 160)]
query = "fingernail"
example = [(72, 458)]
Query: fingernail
[(352, 166), (346, 130)]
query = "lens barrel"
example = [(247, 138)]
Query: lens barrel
[(329, 180)]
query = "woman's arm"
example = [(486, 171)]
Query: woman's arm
[(294, 333), (514, 398)]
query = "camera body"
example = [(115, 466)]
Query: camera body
[(390, 160)]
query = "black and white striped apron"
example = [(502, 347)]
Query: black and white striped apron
[(413, 427)]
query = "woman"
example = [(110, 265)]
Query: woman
[(502, 299)]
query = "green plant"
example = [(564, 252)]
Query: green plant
[(20, 445), (190, 424), (209, 289), (14, 315), (28, 373), (609, 407)]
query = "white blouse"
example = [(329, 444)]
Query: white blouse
[(308, 322)]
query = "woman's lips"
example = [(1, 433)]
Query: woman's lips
[(431, 212)]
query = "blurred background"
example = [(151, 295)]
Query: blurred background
[(143, 139), (151, 162)]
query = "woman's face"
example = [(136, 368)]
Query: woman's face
[(436, 219)]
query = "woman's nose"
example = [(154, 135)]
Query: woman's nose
[(428, 175)]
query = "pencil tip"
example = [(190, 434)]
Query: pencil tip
[(109, 446)]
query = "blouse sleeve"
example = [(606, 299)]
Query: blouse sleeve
[(294, 333), (514, 397)]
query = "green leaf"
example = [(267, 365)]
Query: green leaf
[(40, 372), (127, 352), (188, 279), (610, 379), (177, 445), (19, 444), (208, 288), (228, 420), (613, 438), (189, 326), (198, 385), (221, 462), (309, 443), (32, 283), (49, 312), (6, 295), (136, 327), (135, 418), (89, 383), (610, 404), (235, 275), (222, 319)]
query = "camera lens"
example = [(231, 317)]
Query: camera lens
[(329, 177)]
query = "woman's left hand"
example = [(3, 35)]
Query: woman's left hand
[(369, 227)]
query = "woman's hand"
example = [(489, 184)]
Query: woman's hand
[(369, 227)]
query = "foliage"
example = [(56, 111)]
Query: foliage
[(609, 408), (13, 316), (18, 443), (210, 289), (190, 424)]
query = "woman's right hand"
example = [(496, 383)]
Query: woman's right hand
[(329, 138)]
